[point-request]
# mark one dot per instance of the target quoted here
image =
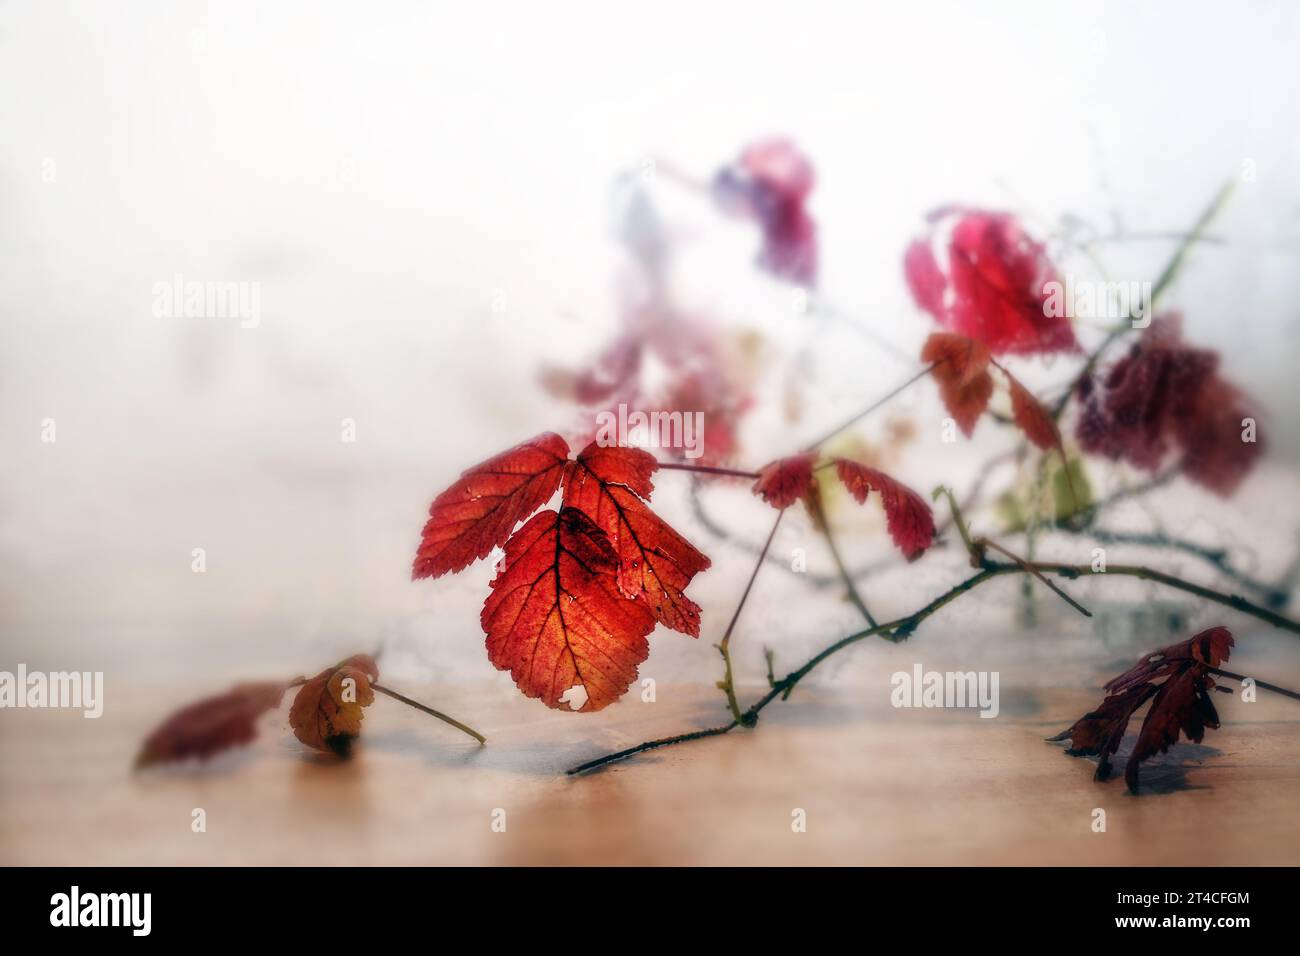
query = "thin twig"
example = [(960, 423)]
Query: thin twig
[(813, 446), (1258, 683), (650, 745), (430, 711), (724, 646), (707, 469), (985, 542), (1166, 277), (905, 626), (820, 520)]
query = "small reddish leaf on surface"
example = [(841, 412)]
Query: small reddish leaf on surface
[(999, 280), (611, 486), (211, 725), (478, 512), (786, 480), (556, 618), (910, 520), (1099, 732), (1181, 704), (327, 712), (961, 368)]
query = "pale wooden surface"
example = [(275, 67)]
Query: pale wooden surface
[(879, 787)]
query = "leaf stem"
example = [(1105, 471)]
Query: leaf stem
[(1167, 276), (1258, 683), (430, 711), (813, 446), (707, 469), (819, 519), (724, 646)]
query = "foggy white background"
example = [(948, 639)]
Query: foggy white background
[(382, 168)]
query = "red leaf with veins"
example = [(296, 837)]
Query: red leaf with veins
[(478, 512), (961, 369), (611, 486), (212, 725), (996, 288), (556, 618), (1181, 704), (786, 480), (910, 520)]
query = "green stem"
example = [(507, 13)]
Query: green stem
[(819, 519), (1167, 276), (724, 646), (905, 626)]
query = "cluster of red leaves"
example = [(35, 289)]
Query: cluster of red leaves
[(578, 590), (909, 518), (995, 290), (770, 183), (1166, 395), (1176, 681), (325, 715), (961, 368)]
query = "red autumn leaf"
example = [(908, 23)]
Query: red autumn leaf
[(1032, 418), (924, 278), (1180, 704), (1210, 647), (770, 184), (910, 520), (784, 481), (327, 712), (1099, 732), (478, 512), (996, 289), (211, 725), (611, 486), (961, 371), (1166, 396), (556, 618), (1037, 424)]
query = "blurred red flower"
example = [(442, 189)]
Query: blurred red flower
[(996, 289), (770, 183), (1166, 395)]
